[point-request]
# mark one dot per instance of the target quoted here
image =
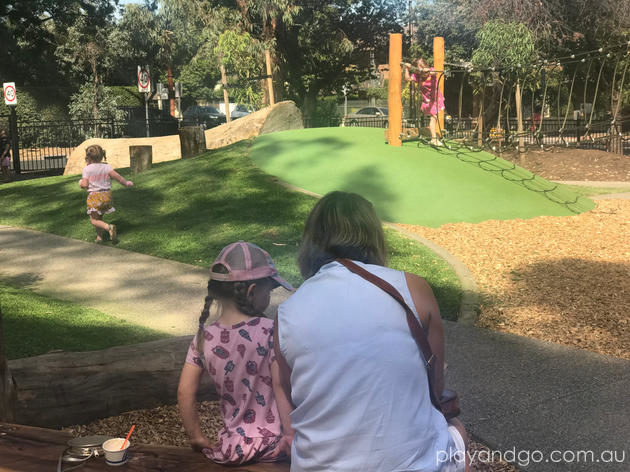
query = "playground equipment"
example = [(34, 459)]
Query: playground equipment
[(517, 131)]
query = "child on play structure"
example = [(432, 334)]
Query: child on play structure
[(96, 180), (432, 98), (237, 351)]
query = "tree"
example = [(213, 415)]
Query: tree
[(332, 44), (29, 34), (241, 55), (508, 47), (90, 50)]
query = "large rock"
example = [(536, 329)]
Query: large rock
[(279, 117)]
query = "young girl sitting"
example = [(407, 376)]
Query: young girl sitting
[(96, 180), (432, 98), (237, 351)]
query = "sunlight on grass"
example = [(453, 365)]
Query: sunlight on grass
[(187, 210), (35, 324)]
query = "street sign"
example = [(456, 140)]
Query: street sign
[(178, 89), (144, 79), (10, 95), (162, 91)]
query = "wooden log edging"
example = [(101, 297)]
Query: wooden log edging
[(67, 388)]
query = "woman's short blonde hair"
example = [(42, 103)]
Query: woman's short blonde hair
[(341, 225)]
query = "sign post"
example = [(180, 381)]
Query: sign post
[(10, 99), (144, 86)]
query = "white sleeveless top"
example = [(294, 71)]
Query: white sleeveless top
[(358, 379)]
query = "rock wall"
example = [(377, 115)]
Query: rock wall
[(165, 148)]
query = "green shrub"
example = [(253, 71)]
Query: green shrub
[(326, 112)]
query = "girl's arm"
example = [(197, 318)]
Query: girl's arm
[(407, 75), (83, 183), (281, 382), (116, 176), (429, 313), (187, 403)]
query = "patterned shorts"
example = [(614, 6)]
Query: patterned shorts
[(100, 202)]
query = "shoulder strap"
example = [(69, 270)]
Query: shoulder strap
[(415, 327)]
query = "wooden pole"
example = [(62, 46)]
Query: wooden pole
[(269, 79), (438, 65), (226, 99), (394, 98), (519, 117)]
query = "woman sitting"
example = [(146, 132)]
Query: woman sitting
[(348, 361)]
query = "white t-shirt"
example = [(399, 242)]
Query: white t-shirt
[(97, 175), (358, 380)]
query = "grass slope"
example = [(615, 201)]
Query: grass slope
[(187, 210), (35, 324), (409, 184)]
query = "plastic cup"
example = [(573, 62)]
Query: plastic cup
[(113, 454)]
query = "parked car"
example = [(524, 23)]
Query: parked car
[(240, 111), (207, 116), (368, 116)]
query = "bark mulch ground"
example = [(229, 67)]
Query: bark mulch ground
[(561, 163), (163, 426), (559, 279)]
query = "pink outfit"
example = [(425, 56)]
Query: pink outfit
[(432, 98), (97, 175), (238, 359)]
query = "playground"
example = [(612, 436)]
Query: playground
[(543, 233)]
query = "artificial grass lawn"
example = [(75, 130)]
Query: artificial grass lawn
[(411, 184), (36, 324), (187, 210)]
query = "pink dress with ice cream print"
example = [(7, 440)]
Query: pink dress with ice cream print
[(238, 359)]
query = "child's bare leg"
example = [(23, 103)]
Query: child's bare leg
[(433, 128), (99, 225)]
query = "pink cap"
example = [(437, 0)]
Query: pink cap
[(246, 261)]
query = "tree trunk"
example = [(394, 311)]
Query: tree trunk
[(8, 390), (519, 117), (68, 388)]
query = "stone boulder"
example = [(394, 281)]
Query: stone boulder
[(279, 117)]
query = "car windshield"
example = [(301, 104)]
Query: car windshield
[(211, 110), (240, 108)]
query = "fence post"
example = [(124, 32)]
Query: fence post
[(578, 130), (15, 141)]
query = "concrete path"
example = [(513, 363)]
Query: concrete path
[(157, 293), (524, 398)]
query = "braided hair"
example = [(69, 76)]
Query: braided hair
[(217, 290)]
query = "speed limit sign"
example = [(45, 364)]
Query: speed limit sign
[(10, 96), (144, 79)]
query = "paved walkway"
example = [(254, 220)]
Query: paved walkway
[(518, 395)]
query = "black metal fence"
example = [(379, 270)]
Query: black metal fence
[(44, 146), (600, 134)]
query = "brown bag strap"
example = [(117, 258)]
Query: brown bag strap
[(415, 327)]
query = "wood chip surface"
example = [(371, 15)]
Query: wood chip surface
[(163, 426), (559, 279)]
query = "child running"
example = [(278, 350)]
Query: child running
[(237, 351), (96, 180), (432, 98)]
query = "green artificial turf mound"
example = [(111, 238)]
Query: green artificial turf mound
[(411, 184)]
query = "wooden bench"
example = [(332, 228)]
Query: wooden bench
[(30, 449)]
